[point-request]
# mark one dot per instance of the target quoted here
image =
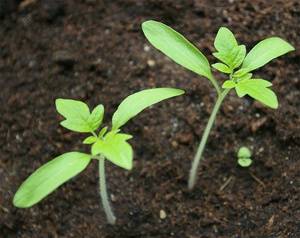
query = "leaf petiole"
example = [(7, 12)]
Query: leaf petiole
[(216, 85), (94, 134)]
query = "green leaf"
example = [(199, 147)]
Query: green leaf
[(115, 148), (102, 132), (239, 57), (178, 48), (222, 57), (240, 73), (244, 77), (90, 140), (137, 102), (229, 52), (225, 40), (244, 162), (257, 89), (239, 91), (229, 84), (222, 68), (96, 117), (265, 51), (233, 58), (78, 116), (244, 157), (259, 83), (49, 177), (73, 110), (244, 152)]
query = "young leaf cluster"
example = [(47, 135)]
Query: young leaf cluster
[(228, 51), (233, 56), (111, 145), (233, 59)]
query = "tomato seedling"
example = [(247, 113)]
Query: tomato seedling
[(105, 145), (233, 61), (244, 157)]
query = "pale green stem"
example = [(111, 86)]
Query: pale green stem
[(194, 169), (94, 134), (103, 193), (216, 85)]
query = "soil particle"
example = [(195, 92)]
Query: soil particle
[(258, 123), (162, 214), (64, 58)]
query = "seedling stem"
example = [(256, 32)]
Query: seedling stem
[(103, 193), (216, 85), (198, 156)]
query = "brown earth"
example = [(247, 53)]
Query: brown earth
[(95, 51)]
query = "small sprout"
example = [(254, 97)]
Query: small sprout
[(233, 61), (102, 132), (90, 140), (244, 157), (112, 146)]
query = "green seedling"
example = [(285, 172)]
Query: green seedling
[(105, 145), (233, 61), (244, 157)]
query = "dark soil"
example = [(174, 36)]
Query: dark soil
[(95, 51)]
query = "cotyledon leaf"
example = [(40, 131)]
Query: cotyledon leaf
[(137, 102), (265, 51), (50, 176), (176, 47)]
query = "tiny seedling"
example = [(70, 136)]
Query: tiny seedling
[(105, 145), (233, 61), (244, 157)]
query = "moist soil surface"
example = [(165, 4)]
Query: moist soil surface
[(95, 51)]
